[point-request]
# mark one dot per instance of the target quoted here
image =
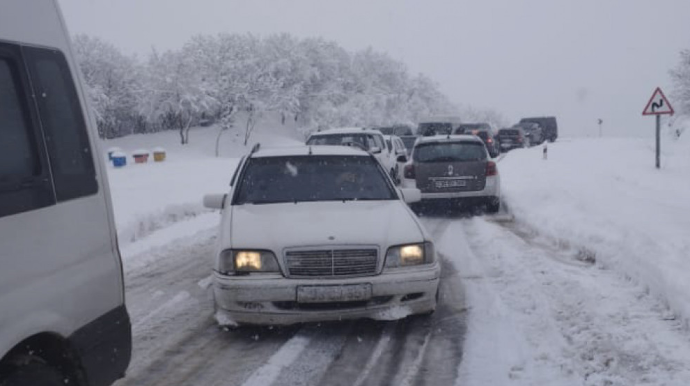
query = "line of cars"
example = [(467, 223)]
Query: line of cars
[(325, 231)]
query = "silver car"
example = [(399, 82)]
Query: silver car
[(454, 167)]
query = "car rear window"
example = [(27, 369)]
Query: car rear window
[(365, 140), (509, 132), (409, 141), (435, 128), (312, 178), (449, 152)]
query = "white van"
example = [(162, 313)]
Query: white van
[(63, 319)]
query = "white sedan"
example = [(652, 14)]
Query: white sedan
[(318, 233)]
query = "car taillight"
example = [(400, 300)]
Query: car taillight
[(491, 169), (519, 139), (409, 171), (490, 140)]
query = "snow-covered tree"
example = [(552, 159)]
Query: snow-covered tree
[(681, 81), (113, 81), (214, 78)]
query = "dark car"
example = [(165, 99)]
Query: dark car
[(440, 127), (468, 128), (455, 169), (512, 138), (409, 141), (533, 131), (483, 131), (399, 130), (548, 124)]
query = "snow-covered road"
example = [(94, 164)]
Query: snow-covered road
[(177, 342), (516, 308)]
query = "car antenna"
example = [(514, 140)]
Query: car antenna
[(255, 148)]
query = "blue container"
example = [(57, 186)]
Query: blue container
[(119, 160)]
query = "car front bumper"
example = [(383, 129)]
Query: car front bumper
[(272, 299)]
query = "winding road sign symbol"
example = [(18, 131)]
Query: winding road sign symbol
[(658, 104)]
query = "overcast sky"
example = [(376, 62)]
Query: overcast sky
[(579, 60)]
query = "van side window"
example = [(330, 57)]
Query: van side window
[(24, 182), (64, 128)]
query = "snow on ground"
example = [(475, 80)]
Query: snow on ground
[(605, 197), (539, 316), (151, 196)]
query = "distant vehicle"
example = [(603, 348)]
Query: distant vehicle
[(397, 148), (63, 318), (409, 141), (468, 128), (512, 138), (367, 139), (483, 131), (456, 168), (398, 130), (319, 233), (533, 131), (438, 126), (548, 125)]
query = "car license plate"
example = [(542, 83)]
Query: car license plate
[(333, 293), (450, 184)]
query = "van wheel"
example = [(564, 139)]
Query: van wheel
[(35, 374)]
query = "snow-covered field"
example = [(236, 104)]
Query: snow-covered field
[(581, 282), (605, 197)]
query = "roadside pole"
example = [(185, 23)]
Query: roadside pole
[(658, 105), (658, 141)]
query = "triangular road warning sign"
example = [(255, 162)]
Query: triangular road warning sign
[(658, 104)]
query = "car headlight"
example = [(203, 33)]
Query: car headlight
[(232, 261), (410, 254)]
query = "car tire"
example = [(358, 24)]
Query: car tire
[(493, 206), (35, 374)]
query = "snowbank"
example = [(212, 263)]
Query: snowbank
[(605, 196)]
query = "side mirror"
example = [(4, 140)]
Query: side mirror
[(375, 150), (402, 158), (215, 201), (411, 195)]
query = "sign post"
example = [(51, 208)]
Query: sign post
[(658, 105)]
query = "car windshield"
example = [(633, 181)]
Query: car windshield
[(363, 140), (269, 180), (449, 152)]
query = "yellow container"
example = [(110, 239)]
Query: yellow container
[(158, 154)]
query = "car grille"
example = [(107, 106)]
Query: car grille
[(331, 262)]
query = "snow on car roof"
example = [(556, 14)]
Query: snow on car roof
[(347, 130), (305, 150), (448, 138)]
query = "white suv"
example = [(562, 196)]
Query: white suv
[(318, 233), (370, 140), (62, 311)]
